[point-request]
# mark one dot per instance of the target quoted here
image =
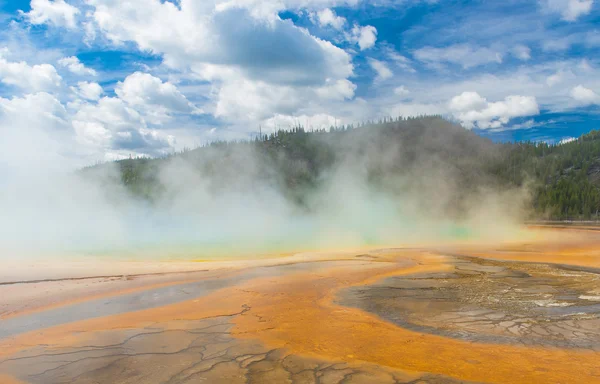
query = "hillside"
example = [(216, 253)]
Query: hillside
[(565, 178), (442, 167)]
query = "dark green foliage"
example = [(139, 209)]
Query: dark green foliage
[(392, 155), (565, 178)]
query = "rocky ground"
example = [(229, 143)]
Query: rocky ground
[(492, 301), (518, 312)]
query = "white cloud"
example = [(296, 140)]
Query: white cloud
[(557, 44), (464, 55), (416, 109), (507, 81), (338, 90), (39, 126), (401, 61), (364, 36), (585, 96), (318, 121), (30, 78), (589, 39), (87, 90), (196, 34), (112, 126), (111, 112), (242, 100), (474, 110), (381, 68), (468, 101), (216, 42), (327, 17), (56, 12), (522, 52), (566, 140), (554, 79), (75, 66), (401, 91), (559, 77), (570, 10), (524, 125), (153, 96), (41, 103), (248, 66)]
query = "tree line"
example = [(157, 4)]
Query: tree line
[(564, 179)]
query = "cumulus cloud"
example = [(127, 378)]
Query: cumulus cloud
[(242, 100), (195, 34), (247, 65), (570, 10), (75, 66), (328, 18), (301, 59), (30, 78), (585, 96), (464, 55), (151, 95), (474, 111), (239, 98), (56, 12), (364, 36), (257, 64), (467, 101), (92, 127), (88, 90), (337, 90), (381, 68), (111, 126)]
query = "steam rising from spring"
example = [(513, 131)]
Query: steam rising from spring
[(390, 184)]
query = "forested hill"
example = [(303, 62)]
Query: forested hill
[(443, 164), (565, 177)]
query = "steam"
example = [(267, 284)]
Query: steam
[(235, 200)]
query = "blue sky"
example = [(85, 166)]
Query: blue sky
[(92, 80)]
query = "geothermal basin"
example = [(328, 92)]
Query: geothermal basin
[(519, 311)]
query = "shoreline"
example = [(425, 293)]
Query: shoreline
[(54, 268), (29, 287)]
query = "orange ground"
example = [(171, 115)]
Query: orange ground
[(298, 312)]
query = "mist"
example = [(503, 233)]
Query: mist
[(401, 183)]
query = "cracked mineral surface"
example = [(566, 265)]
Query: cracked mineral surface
[(519, 312), (492, 301), (190, 352)]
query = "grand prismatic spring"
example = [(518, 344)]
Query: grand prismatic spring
[(518, 311), (299, 191)]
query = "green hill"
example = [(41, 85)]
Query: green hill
[(443, 167), (565, 178)]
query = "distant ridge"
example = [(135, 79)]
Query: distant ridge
[(402, 155)]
